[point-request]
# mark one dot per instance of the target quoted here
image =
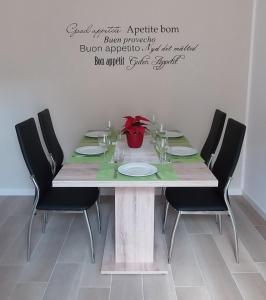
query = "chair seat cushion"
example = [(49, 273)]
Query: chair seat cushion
[(196, 199), (68, 198)]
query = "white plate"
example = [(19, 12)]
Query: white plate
[(173, 134), (181, 151), (95, 134), (137, 169), (90, 150)]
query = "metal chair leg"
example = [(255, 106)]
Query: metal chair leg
[(45, 220), (165, 215), (90, 233), (220, 223), (227, 201), (98, 216), (162, 193), (216, 219), (29, 234), (46, 217), (99, 198), (173, 237), (227, 195), (33, 213), (235, 236)]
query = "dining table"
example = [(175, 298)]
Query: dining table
[(134, 243)]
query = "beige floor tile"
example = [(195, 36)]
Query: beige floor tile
[(127, 287), (198, 224), (64, 282), (28, 291), (262, 269), (249, 211), (9, 276), (262, 231), (93, 294), (77, 244), (92, 276), (7, 207), (23, 205), (10, 230), (92, 271), (184, 265), (251, 285), (192, 293), (61, 258), (157, 287), (45, 254), (215, 272), (16, 254), (225, 244), (250, 237)]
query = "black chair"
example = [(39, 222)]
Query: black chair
[(211, 200), (51, 141), (48, 198), (211, 143)]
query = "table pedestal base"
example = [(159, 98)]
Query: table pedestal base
[(134, 241)]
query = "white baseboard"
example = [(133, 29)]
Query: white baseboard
[(16, 192), (254, 205), (235, 192)]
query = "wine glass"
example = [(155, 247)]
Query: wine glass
[(109, 129), (119, 156), (163, 146), (119, 136), (153, 129), (162, 130), (104, 142)]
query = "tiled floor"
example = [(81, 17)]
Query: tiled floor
[(203, 264)]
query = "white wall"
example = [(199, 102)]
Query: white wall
[(40, 66), (255, 167)]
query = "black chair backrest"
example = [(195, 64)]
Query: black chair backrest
[(214, 135), (229, 153), (50, 138), (34, 154)]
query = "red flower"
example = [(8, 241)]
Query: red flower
[(135, 125)]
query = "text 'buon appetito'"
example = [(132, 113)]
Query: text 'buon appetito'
[(131, 46)]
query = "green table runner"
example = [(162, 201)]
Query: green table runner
[(106, 170)]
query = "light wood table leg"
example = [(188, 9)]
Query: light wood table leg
[(133, 246), (134, 225)]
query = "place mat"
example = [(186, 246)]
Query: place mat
[(114, 134), (185, 159), (83, 159), (181, 141), (106, 173), (87, 141)]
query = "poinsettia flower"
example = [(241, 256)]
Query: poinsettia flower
[(134, 125), (140, 118)]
